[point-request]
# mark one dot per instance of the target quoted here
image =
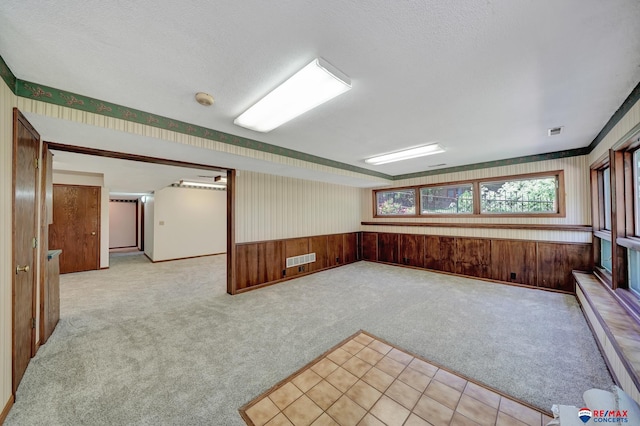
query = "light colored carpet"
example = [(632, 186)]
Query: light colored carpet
[(145, 343)]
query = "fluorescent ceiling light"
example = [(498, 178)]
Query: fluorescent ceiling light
[(406, 154), (313, 85), (201, 184)]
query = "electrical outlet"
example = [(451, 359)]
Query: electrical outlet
[(513, 275)]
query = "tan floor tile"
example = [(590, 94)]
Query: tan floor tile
[(390, 366), (306, 380), (324, 394), (404, 394), (346, 412), (433, 412), (414, 420), (369, 355), (520, 412), (262, 412), (401, 357), (363, 338), (370, 420), (339, 356), (443, 394), (324, 420), (352, 347), (279, 420), (285, 395), (460, 420), (477, 411), (342, 379), (364, 394), (303, 411), (507, 420), (423, 367), (378, 379), (378, 346), (490, 398), (389, 411), (324, 367), (356, 366), (415, 379), (451, 380)]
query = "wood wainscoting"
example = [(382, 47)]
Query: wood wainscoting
[(523, 262), (259, 264)]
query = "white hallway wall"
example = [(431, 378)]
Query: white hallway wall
[(188, 222)]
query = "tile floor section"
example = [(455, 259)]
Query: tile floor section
[(366, 381)]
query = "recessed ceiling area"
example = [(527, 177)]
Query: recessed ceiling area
[(485, 80)]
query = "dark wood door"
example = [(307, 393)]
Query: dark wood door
[(412, 250), (26, 144), (76, 227)]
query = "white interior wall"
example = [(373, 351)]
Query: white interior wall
[(149, 231), (91, 179), (189, 222), (123, 217)]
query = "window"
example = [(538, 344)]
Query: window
[(636, 191), (535, 194), (532, 196), (448, 199), (605, 254), (634, 271), (606, 198), (398, 202)]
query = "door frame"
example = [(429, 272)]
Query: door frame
[(231, 189)]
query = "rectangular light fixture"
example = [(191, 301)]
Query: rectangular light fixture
[(406, 154), (313, 85), (201, 184)]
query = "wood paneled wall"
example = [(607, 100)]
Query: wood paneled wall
[(264, 263), (531, 263)]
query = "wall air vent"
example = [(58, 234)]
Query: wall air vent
[(555, 131), (300, 260)]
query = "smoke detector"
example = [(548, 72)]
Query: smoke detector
[(204, 99), (555, 131)]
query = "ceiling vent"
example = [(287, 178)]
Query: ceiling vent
[(555, 131)]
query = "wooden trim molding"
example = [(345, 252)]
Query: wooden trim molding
[(232, 274), (7, 408), (549, 227)]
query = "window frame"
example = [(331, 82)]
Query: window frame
[(475, 183)]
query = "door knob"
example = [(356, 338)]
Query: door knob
[(24, 268), (93, 233)]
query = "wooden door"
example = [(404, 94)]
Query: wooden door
[(76, 227), (26, 143)]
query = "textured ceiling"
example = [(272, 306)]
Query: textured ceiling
[(485, 79)]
